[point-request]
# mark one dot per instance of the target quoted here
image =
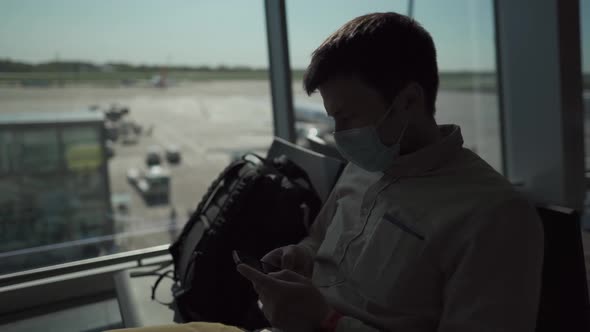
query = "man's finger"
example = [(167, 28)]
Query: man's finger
[(258, 278), (288, 260), (289, 276), (256, 288), (273, 257)]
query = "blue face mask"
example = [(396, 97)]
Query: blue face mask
[(363, 147)]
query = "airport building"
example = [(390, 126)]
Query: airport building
[(55, 189)]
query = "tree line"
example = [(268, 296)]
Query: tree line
[(11, 66)]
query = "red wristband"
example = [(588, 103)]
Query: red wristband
[(330, 323)]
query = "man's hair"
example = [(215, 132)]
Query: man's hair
[(385, 50)]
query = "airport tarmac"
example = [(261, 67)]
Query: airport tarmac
[(210, 122)]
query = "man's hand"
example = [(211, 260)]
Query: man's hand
[(291, 257), (289, 300)]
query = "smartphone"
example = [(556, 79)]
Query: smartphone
[(253, 262)]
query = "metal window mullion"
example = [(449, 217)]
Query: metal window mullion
[(279, 70)]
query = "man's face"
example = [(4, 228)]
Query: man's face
[(352, 103)]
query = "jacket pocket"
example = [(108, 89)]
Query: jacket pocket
[(390, 250)]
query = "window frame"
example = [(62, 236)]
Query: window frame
[(280, 70), (541, 51)]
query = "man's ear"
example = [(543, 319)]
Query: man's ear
[(410, 97)]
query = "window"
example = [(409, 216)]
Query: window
[(463, 32), (6, 151), (9, 205), (39, 150), (90, 91), (82, 148)]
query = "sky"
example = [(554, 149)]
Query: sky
[(230, 32)]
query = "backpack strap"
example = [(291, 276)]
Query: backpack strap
[(232, 168), (165, 274)]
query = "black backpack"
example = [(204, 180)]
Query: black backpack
[(254, 206)]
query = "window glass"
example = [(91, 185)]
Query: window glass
[(40, 150), (9, 207), (7, 143), (82, 148), (130, 110), (463, 32)]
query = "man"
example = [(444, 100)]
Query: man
[(419, 233)]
